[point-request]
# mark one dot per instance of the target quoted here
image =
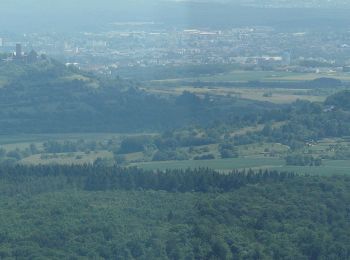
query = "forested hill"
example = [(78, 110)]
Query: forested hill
[(47, 96)]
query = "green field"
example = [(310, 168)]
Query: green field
[(329, 166)]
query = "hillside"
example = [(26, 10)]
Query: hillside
[(48, 97)]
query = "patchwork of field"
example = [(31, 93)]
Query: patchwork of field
[(264, 76), (273, 95), (264, 93), (252, 156)]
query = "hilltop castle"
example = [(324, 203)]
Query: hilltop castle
[(19, 56)]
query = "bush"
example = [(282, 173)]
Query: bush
[(164, 155), (228, 151), (205, 157), (14, 154), (303, 160), (134, 144)]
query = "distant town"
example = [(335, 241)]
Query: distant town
[(137, 45)]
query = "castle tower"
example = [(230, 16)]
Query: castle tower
[(18, 50)]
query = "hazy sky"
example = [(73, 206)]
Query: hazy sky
[(48, 4), (66, 15)]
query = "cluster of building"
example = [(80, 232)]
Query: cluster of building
[(128, 46)]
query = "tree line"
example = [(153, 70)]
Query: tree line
[(99, 177)]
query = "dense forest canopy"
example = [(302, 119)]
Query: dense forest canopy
[(101, 212)]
